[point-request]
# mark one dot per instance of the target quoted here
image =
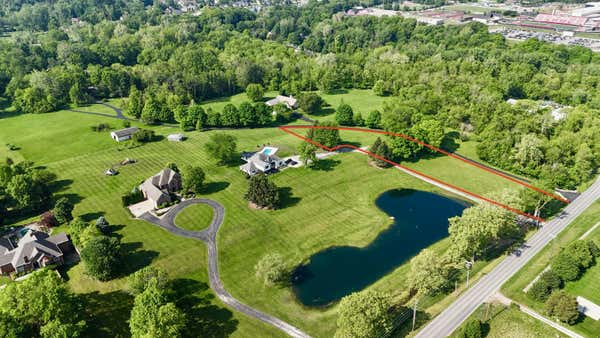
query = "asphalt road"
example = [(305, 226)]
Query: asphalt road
[(209, 236), (447, 321)]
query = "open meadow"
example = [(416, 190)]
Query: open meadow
[(324, 207)]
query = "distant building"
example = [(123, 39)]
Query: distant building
[(176, 137), (264, 161), (289, 101), (159, 187), (123, 134), (34, 250)]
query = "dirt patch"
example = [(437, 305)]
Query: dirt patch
[(256, 207)]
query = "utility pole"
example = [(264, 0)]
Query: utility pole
[(414, 314), (468, 266)]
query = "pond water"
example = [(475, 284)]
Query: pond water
[(420, 219)]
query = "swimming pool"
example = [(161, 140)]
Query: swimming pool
[(269, 150)]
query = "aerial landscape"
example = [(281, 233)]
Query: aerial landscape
[(299, 168)]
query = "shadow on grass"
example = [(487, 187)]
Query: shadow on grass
[(326, 164), (449, 141), (134, 258), (91, 216), (204, 319), (214, 187), (324, 111), (287, 198), (106, 314), (73, 198), (405, 329)]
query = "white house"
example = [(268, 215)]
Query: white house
[(289, 101), (123, 134), (263, 161)]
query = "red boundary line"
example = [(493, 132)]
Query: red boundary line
[(517, 211)]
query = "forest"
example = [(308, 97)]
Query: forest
[(449, 78)]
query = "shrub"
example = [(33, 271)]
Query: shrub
[(563, 307), (472, 329), (593, 247), (48, 220), (344, 115), (143, 136), (102, 224), (272, 269), (101, 127)]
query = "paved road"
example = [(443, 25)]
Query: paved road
[(447, 321), (117, 110), (209, 236)]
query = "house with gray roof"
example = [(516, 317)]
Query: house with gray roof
[(34, 250), (158, 188), (123, 134), (261, 162)]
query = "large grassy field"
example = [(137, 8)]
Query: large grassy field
[(586, 287), (332, 205)]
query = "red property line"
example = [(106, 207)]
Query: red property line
[(517, 211)]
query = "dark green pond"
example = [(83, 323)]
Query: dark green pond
[(420, 219)]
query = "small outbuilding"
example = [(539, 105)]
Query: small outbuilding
[(123, 134), (288, 101), (176, 137)]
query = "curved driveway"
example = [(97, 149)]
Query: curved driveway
[(209, 236)]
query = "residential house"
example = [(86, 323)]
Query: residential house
[(289, 101), (123, 134), (34, 250), (159, 187), (264, 161)]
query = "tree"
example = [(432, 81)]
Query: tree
[(57, 329), (364, 314), (428, 275), (153, 316), (101, 256), (381, 149), (374, 120), (255, 92), (308, 154), (135, 103), (230, 116), (528, 152), (262, 192), (328, 136), (562, 306), (472, 329), (63, 210), (11, 327), (477, 228), (221, 147), (81, 232), (310, 103), (539, 291), (248, 117), (151, 111), (358, 120), (140, 279), (565, 266), (533, 200), (77, 95), (344, 115), (40, 300), (193, 179), (271, 269), (143, 136)]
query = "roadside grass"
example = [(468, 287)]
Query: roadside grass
[(501, 321), (331, 205), (195, 217), (514, 287)]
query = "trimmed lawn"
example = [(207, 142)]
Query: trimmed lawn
[(502, 321), (332, 205), (195, 217), (586, 286)]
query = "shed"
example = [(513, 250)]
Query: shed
[(176, 137)]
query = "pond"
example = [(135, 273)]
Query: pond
[(420, 219)]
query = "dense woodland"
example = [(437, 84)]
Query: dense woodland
[(445, 78)]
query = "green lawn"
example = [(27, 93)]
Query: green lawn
[(500, 321), (587, 286), (196, 217), (333, 205)]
